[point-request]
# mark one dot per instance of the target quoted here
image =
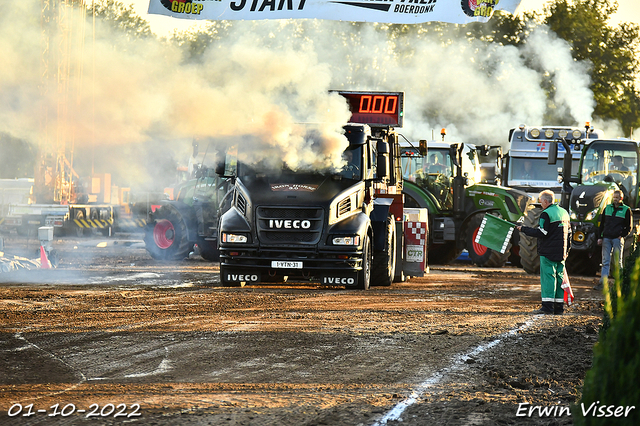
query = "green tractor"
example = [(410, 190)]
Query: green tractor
[(189, 221), (445, 178), (605, 166)]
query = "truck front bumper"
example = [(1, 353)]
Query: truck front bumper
[(328, 266)]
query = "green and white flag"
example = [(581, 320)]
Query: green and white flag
[(494, 233)]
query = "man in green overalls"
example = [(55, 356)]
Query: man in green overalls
[(554, 242)]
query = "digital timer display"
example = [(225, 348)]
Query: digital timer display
[(375, 108)]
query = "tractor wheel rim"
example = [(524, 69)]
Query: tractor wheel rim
[(479, 249), (164, 234)]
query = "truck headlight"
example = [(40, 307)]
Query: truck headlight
[(233, 238), (592, 214), (346, 241), (573, 215)]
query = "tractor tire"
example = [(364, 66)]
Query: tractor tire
[(364, 275), (479, 254), (384, 264), (529, 245), (514, 257), (443, 254), (630, 243), (165, 237), (583, 263)]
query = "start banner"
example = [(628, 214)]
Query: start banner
[(387, 11)]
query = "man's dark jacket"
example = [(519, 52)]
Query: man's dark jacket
[(553, 233), (615, 221)]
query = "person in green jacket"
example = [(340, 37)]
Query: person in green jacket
[(554, 243), (615, 225)]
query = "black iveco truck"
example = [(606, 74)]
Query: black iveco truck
[(337, 227)]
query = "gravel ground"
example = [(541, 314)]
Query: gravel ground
[(110, 325)]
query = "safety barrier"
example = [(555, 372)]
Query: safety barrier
[(93, 223)]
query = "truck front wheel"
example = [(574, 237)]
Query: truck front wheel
[(364, 275), (479, 254), (384, 265)]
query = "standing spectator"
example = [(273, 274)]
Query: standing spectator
[(615, 225), (554, 242)]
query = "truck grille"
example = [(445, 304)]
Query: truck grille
[(289, 225)]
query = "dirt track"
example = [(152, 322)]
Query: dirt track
[(110, 325)]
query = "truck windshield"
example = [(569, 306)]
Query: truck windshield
[(536, 172), (611, 162), (204, 189), (416, 167), (276, 170), (431, 172)]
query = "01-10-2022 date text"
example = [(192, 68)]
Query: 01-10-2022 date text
[(94, 410)]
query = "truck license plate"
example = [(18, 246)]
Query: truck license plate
[(285, 264)]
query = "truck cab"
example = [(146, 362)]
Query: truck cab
[(321, 225), (526, 167), (342, 225)]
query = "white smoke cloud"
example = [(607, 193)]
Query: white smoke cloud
[(477, 90), (119, 103), (126, 104), (570, 77)]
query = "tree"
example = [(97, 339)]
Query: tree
[(194, 43), (503, 28), (17, 158), (611, 51), (120, 17)]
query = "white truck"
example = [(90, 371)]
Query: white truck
[(525, 167)]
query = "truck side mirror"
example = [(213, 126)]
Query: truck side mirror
[(453, 153), (220, 168), (553, 153), (382, 168), (422, 149), (194, 144)]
